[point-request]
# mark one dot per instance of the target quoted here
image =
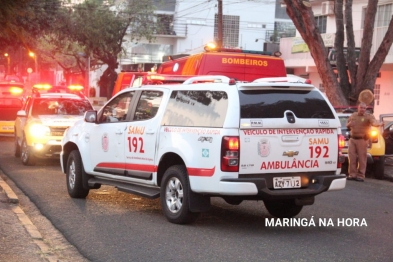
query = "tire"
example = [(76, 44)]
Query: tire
[(379, 168), (17, 147), (174, 194), (282, 208), (74, 176), (27, 156)]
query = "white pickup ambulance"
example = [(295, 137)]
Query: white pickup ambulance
[(276, 141)]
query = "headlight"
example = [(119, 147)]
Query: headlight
[(374, 136), (38, 130)]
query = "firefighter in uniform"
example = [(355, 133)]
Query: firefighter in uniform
[(359, 123)]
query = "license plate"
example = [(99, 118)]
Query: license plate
[(286, 182)]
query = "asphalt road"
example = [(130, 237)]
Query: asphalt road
[(114, 226)]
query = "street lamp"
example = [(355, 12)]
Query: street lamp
[(8, 63), (35, 62)]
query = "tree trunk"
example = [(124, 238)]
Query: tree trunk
[(351, 51), (341, 59), (107, 82), (303, 18)]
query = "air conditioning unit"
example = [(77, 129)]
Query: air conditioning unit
[(328, 8)]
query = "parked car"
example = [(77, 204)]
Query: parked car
[(11, 100), (40, 124), (273, 141)]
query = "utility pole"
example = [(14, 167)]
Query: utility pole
[(220, 25)]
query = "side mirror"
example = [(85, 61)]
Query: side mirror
[(90, 116), (21, 113)]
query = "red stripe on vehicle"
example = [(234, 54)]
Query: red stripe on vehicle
[(146, 168), (200, 171), (111, 165)]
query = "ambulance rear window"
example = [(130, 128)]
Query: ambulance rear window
[(273, 104)]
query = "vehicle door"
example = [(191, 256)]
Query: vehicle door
[(387, 120), (141, 136), (107, 139)]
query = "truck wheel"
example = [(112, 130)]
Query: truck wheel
[(17, 147), (282, 208), (379, 168), (27, 155), (174, 194), (74, 173)]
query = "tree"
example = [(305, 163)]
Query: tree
[(354, 78), (22, 24), (100, 29)]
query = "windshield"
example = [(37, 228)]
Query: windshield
[(60, 107)]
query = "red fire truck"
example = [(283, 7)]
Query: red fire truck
[(241, 65)]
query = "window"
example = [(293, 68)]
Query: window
[(196, 109), (117, 109), (274, 104), (230, 30), (164, 24), (148, 105), (321, 23), (59, 106), (382, 17)]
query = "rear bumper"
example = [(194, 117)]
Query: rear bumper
[(318, 185)]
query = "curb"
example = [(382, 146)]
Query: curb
[(11, 196), (26, 222)]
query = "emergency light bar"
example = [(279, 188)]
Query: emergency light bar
[(211, 47)]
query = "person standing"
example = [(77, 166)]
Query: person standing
[(359, 123)]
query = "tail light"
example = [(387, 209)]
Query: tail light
[(341, 144), (230, 152)]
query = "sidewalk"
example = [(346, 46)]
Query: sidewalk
[(21, 239)]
